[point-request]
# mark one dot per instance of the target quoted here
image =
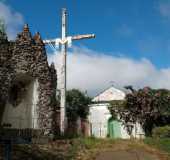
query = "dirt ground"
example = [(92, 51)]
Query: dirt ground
[(126, 155), (123, 150), (87, 149)]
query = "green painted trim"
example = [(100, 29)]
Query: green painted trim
[(114, 128)]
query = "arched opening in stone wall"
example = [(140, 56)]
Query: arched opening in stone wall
[(21, 110)]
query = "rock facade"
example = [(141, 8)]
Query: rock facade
[(27, 55)]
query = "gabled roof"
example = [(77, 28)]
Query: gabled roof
[(110, 94)]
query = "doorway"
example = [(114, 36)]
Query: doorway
[(21, 108), (114, 128)]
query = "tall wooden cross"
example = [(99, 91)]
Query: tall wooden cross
[(64, 42)]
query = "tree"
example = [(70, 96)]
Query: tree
[(77, 104), (2, 29), (147, 106)]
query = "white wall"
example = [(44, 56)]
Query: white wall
[(21, 116), (138, 131), (109, 95), (34, 105), (99, 116)]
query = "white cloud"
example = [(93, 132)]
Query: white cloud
[(13, 20), (92, 71)]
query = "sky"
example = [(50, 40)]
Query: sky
[(132, 44)]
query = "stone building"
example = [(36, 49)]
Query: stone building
[(27, 84)]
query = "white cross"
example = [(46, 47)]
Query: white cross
[(64, 42)]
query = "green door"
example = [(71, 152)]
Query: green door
[(114, 128)]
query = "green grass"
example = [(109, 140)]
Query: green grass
[(90, 143), (88, 146), (160, 143)]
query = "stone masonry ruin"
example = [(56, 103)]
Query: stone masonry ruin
[(27, 84)]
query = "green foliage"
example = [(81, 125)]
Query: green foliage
[(84, 147), (161, 132), (147, 106), (114, 116), (2, 25), (115, 106), (160, 143), (2, 29), (77, 104)]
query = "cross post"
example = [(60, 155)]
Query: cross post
[(64, 41)]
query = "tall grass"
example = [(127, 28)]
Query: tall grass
[(160, 143)]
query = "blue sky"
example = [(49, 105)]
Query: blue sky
[(133, 28), (130, 34)]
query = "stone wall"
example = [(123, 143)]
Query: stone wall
[(27, 56)]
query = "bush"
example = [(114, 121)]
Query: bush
[(160, 143), (161, 132)]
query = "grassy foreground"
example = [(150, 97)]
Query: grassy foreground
[(93, 147), (88, 148), (162, 144)]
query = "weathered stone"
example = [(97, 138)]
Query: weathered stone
[(27, 55)]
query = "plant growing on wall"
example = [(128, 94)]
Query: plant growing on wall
[(149, 107), (2, 29)]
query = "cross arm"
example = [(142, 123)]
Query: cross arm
[(51, 41), (85, 36), (64, 41)]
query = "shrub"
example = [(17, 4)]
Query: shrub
[(161, 132), (160, 143)]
